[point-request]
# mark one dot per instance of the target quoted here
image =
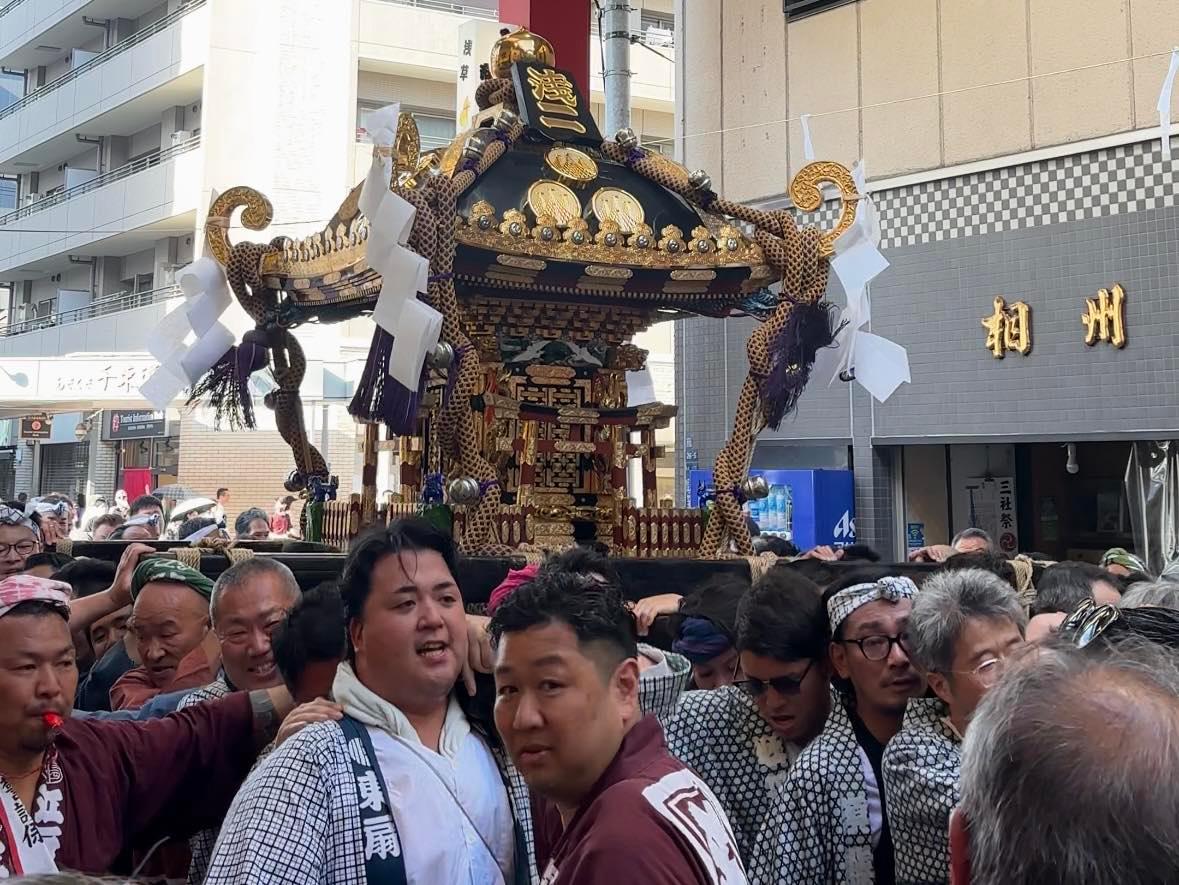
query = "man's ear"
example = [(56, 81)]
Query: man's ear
[(941, 686), (959, 849), (838, 652), (625, 684), (356, 633)]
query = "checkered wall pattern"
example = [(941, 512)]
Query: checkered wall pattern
[(1113, 181)]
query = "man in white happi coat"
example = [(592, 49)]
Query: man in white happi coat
[(965, 627), (835, 825), (741, 739), (411, 786)]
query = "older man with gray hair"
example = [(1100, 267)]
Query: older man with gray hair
[(1069, 772), (1152, 594), (964, 627)]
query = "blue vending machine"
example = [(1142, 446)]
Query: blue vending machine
[(808, 507)]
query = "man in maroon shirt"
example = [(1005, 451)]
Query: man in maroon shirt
[(77, 794), (610, 803)]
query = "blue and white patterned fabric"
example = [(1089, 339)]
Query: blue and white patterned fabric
[(922, 770)]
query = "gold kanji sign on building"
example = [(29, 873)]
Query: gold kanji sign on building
[(1105, 317), (1009, 328)]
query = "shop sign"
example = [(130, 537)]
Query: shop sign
[(1010, 328), (45, 381), (130, 424), (1105, 317), (992, 509), (915, 535), (36, 428), (476, 39)]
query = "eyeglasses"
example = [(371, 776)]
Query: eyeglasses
[(22, 548), (877, 648), (784, 685), (1088, 621)]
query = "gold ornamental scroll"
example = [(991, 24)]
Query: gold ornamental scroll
[(807, 193)]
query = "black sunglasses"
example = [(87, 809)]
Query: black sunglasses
[(783, 685), (1088, 621)]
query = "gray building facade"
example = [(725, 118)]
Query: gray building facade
[(1050, 234)]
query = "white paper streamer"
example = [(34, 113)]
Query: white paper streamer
[(203, 355), (640, 388), (161, 388), (418, 330), (808, 148), (1164, 105), (880, 365), (206, 298)]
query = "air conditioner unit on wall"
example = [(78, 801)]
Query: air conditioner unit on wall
[(30, 198), (180, 136)]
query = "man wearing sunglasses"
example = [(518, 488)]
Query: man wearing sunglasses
[(965, 627), (742, 738), (835, 825)]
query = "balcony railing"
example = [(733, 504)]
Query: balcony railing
[(456, 8), (102, 180), (102, 58), (8, 7), (116, 303)]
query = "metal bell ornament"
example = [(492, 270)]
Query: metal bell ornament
[(755, 488), (464, 490), (626, 138), (700, 180), (442, 356)]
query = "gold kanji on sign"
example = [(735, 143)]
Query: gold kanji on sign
[(554, 94), (1105, 317), (1009, 328)]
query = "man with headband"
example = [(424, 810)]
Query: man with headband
[(19, 539), (78, 794), (172, 633), (836, 821)]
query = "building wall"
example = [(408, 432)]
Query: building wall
[(1050, 233), (911, 84), (254, 464)]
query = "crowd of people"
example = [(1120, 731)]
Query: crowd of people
[(975, 720), (150, 517)]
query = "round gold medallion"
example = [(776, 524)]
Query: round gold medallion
[(614, 204), (553, 199), (572, 164)]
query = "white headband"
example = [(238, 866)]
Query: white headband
[(9, 516), (847, 600)]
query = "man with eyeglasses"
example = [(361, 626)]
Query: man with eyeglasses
[(742, 738), (964, 628), (250, 600), (19, 539), (834, 817)]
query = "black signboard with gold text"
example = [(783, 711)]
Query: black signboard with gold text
[(551, 104)]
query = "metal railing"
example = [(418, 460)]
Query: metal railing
[(456, 8), (116, 303), (101, 181), (103, 57), (8, 7)]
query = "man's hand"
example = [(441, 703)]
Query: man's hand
[(480, 656), (51, 531), (120, 590), (318, 710), (824, 553), (932, 553), (647, 610)]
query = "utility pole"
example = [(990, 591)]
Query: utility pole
[(617, 73)]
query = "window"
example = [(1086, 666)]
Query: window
[(436, 128), (799, 8)]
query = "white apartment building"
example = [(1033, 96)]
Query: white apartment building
[(124, 118)]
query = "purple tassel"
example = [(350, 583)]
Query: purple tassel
[(220, 389), (792, 353), (379, 398), (252, 356)]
